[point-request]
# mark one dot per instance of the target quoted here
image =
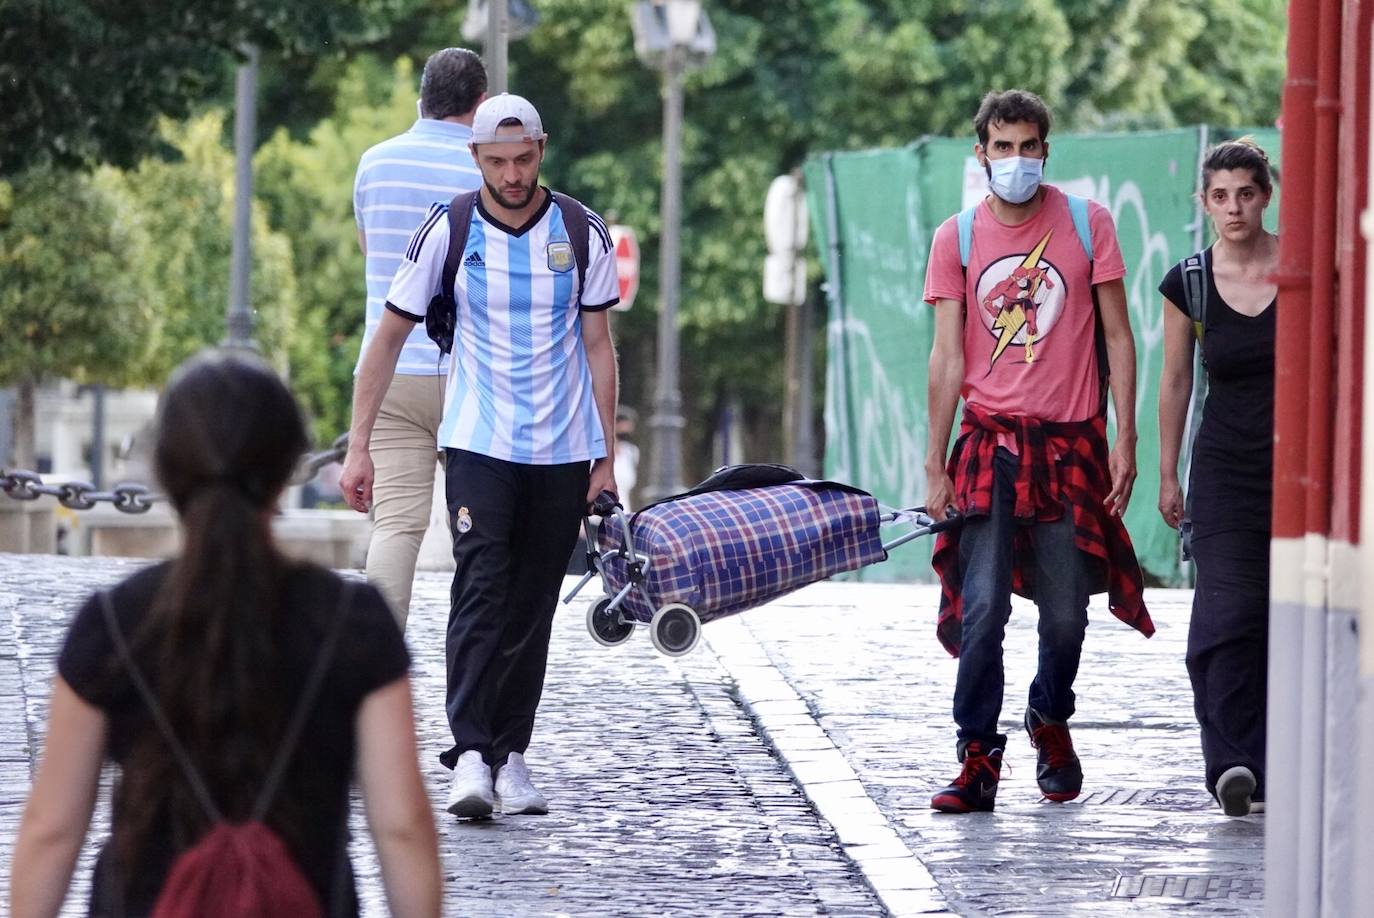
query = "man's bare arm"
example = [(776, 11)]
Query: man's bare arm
[(946, 376), (1116, 326), (596, 338)]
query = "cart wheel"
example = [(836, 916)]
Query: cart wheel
[(675, 629), (605, 625)]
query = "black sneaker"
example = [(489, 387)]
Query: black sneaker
[(1057, 769), (1234, 790), (975, 790)]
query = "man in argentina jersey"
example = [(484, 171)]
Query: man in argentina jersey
[(528, 438), (398, 181)]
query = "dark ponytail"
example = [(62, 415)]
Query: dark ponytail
[(229, 435)]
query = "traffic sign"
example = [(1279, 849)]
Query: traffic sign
[(626, 264)]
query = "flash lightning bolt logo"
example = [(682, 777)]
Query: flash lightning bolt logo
[(1011, 318)]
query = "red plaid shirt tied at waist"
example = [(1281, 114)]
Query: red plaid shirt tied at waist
[(1057, 461)]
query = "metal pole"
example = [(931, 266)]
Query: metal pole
[(806, 440), (238, 324), (1358, 269), (498, 38), (667, 423), (1293, 769), (98, 435), (847, 452), (791, 422)]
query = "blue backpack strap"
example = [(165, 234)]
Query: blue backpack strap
[(1078, 210), (965, 221)]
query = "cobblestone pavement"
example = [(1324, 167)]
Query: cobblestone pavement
[(1144, 838), (782, 768), (664, 801)]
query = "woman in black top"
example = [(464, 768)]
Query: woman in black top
[(226, 636), (1230, 490)]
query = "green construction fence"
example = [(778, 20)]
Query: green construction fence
[(874, 213)]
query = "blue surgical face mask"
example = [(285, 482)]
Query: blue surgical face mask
[(1016, 178)]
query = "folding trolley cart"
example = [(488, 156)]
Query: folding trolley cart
[(729, 544)]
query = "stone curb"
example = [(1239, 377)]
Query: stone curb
[(899, 878)]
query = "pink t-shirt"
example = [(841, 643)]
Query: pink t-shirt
[(1028, 333)]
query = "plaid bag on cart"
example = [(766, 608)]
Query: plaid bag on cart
[(724, 551)]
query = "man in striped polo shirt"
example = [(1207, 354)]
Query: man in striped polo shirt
[(397, 183), (528, 437)]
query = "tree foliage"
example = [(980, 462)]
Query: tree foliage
[(68, 304), (84, 81), (186, 208)]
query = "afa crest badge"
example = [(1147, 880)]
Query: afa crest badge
[(560, 257)]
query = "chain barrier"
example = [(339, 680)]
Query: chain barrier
[(131, 497)]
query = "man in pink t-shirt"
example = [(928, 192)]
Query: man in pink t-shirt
[(1020, 302)]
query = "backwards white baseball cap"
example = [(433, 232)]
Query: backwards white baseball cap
[(506, 107)]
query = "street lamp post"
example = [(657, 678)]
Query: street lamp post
[(496, 23), (239, 321), (495, 48), (670, 35)]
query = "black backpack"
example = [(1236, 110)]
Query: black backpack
[(1195, 286), (442, 315)]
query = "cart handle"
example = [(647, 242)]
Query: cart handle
[(608, 504), (924, 525), (605, 503)]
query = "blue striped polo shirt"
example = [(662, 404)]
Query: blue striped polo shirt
[(521, 387), (398, 181)]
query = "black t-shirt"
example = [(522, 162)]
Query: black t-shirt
[(1231, 482), (369, 654)]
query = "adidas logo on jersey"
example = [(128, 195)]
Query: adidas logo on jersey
[(475, 260)]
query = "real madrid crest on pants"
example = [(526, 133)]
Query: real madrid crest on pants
[(560, 256), (464, 520)]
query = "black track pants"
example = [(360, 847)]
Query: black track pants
[(514, 528)]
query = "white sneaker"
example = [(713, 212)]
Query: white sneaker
[(1234, 788), (518, 795), (471, 795)]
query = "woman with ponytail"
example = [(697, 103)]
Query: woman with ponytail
[(226, 639)]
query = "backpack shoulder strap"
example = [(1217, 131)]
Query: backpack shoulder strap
[(575, 221), (965, 224), (1078, 210), (459, 222), (1082, 226), (164, 726), (1195, 290), (305, 704), (293, 730)]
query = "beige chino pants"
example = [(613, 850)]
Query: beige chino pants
[(405, 453)]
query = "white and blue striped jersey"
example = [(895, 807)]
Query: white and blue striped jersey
[(520, 388), (398, 181)]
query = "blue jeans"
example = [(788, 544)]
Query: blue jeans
[(1061, 586)]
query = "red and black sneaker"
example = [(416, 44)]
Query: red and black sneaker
[(1057, 769), (975, 790)]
